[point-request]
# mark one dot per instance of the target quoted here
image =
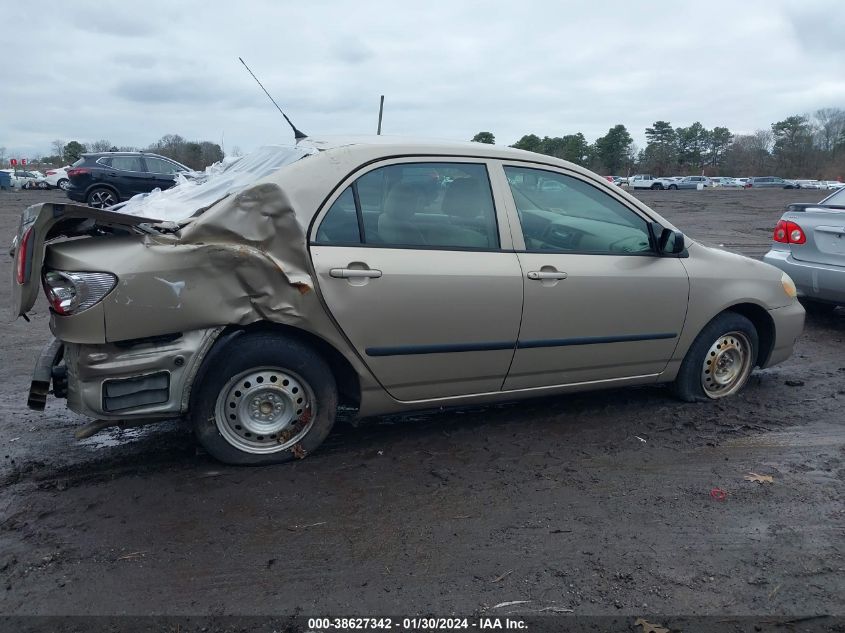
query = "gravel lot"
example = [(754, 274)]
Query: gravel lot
[(599, 503)]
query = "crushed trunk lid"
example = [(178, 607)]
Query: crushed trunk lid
[(41, 223)]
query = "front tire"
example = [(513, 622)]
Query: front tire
[(719, 361), (675, 187), (269, 400)]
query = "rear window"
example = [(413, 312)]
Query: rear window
[(78, 162), (836, 198)]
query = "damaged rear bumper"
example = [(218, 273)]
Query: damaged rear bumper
[(141, 378)]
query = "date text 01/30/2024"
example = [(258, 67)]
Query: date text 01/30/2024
[(415, 624)]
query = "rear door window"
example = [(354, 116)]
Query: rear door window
[(340, 226), (419, 205), (127, 163)]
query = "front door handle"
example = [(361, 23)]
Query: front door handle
[(540, 275), (354, 273)]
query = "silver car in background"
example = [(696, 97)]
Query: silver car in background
[(809, 245), (691, 182)]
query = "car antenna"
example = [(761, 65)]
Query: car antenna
[(296, 133)]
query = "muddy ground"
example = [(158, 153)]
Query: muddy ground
[(599, 503)]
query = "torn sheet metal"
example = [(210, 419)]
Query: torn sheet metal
[(218, 181)]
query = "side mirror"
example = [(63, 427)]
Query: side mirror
[(666, 241), (670, 242)]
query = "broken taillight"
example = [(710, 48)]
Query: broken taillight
[(787, 232), (72, 292)]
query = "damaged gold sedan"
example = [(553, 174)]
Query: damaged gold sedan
[(385, 275)]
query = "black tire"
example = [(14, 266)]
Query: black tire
[(689, 384), (656, 186), (63, 184), (253, 352), (102, 198), (675, 187), (818, 308)]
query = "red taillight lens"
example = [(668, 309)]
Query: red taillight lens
[(77, 171), (22, 255), (60, 291), (787, 232), (796, 234)]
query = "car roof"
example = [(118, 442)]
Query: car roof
[(100, 154), (393, 145)]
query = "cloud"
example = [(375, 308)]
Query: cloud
[(447, 69), (169, 91)]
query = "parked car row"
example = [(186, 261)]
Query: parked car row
[(648, 181), (104, 179)]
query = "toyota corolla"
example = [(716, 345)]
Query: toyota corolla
[(385, 275)]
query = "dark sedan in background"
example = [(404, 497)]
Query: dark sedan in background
[(103, 179)]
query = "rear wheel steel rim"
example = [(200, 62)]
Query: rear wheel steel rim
[(726, 365), (102, 199), (265, 410)]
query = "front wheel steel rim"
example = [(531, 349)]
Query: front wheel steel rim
[(265, 410), (727, 365)]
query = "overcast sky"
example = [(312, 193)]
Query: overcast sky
[(131, 72)]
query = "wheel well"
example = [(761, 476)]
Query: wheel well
[(348, 385), (100, 185), (764, 325)]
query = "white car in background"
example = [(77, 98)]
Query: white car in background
[(57, 178), (22, 179), (809, 184), (647, 181), (832, 184)]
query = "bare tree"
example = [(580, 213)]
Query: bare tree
[(102, 145), (829, 126), (58, 147)]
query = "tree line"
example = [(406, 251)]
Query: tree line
[(800, 146), (194, 154)]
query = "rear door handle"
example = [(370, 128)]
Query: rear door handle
[(354, 273), (539, 275)]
